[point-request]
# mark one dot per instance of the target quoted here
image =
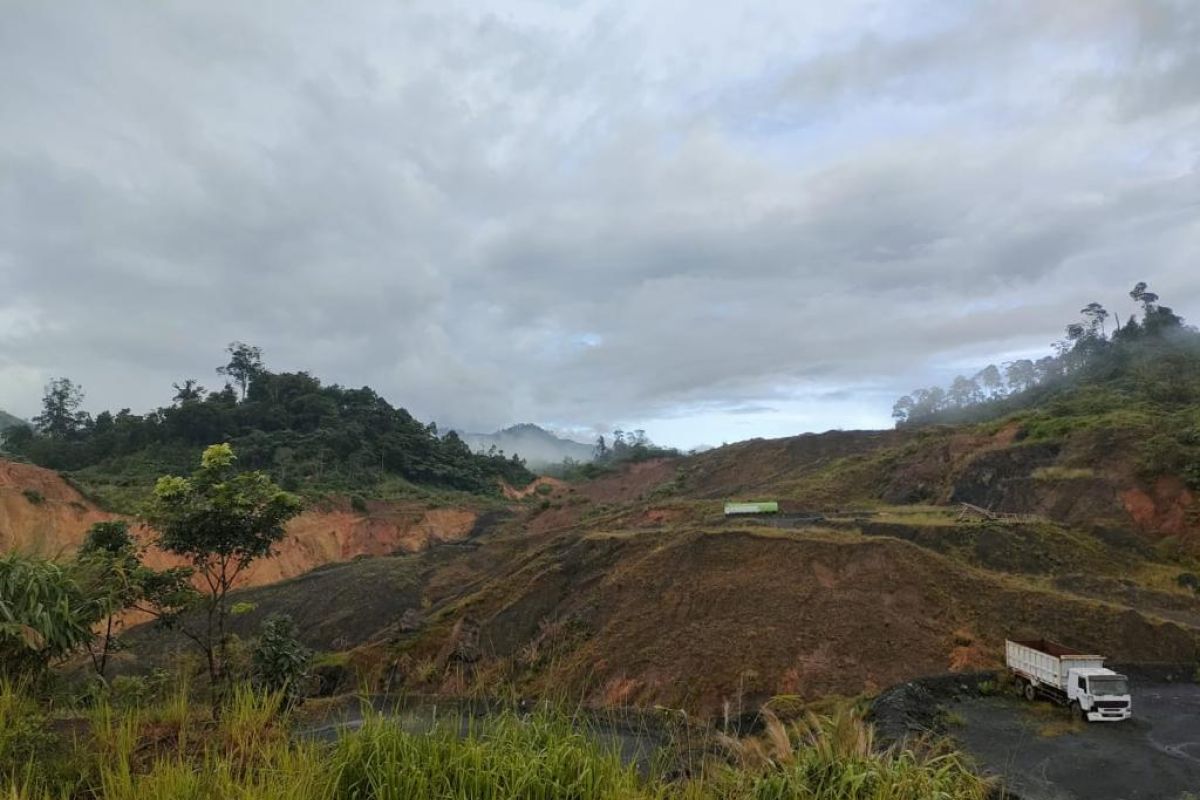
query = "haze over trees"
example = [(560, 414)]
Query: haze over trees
[(304, 433), (1156, 357)]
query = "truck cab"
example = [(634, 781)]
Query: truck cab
[(1100, 694)]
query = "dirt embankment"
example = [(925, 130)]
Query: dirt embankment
[(41, 514)]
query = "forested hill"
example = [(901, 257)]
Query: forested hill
[(8, 420), (1154, 359), (306, 434), (1140, 375)]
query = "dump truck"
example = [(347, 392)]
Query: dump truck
[(1068, 677)]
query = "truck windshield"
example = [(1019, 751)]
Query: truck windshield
[(1108, 685)]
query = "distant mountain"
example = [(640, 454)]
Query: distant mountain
[(536, 445), (8, 420)]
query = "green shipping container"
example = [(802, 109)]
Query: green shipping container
[(771, 507)]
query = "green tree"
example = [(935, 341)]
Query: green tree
[(113, 576), (280, 660), (991, 380), (1095, 314), (221, 521), (44, 615), (61, 417), (189, 391), (1020, 375), (245, 364)]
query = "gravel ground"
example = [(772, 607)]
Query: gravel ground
[(1042, 755)]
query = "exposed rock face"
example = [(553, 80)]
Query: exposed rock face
[(1167, 507)]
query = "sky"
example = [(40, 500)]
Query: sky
[(711, 221)]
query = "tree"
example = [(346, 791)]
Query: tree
[(1147, 298), (113, 576), (221, 521), (245, 364), (964, 392), (1020, 375), (189, 392), (61, 417), (1095, 314), (280, 660), (990, 379), (600, 451), (44, 615)]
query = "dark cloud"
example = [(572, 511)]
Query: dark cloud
[(699, 220)]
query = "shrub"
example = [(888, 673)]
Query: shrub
[(281, 662), (34, 496), (358, 504), (44, 615)]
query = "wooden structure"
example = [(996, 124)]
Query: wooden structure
[(969, 512)]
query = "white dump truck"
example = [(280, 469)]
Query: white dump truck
[(1068, 677)]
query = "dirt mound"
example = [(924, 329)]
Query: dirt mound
[(534, 487), (630, 482), (702, 619), (764, 465)]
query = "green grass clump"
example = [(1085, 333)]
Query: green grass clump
[(505, 759), (1056, 473)]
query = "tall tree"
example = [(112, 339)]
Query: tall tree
[(991, 380), (221, 521), (1095, 314), (61, 417), (245, 364), (189, 391), (964, 392), (1020, 375)]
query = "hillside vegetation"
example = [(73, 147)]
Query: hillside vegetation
[(1143, 377), (307, 435)]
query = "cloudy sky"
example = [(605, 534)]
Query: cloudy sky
[(710, 220)]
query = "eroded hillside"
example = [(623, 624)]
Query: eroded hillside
[(634, 588), (40, 513)]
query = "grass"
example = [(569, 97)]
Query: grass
[(156, 752), (1052, 721), (1056, 473)]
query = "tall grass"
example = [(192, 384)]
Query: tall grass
[(837, 758), (155, 753), (505, 758)]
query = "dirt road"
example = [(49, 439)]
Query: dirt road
[(1043, 755)]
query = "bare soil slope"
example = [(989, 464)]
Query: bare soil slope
[(40, 513)]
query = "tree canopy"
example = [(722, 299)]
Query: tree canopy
[(290, 425), (1156, 357)]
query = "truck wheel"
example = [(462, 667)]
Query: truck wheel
[(1030, 692), (1078, 712)]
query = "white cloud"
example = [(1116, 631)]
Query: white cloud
[(708, 220)]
